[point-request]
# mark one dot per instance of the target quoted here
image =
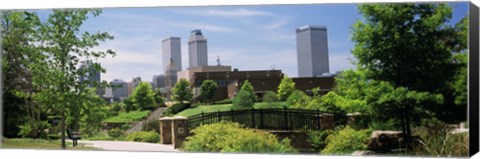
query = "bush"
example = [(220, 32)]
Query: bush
[(231, 137), (124, 117), (144, 136), (346, 141), (243, 100), (152, 125), (270, 97), (318, 139), (297, 99), (115, 133), (437, 140), (175, 108)]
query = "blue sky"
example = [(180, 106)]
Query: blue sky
[(245, 37)]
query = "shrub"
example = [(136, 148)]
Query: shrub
[(270, 97), (318, 139), (437, 140), (243, 100), (231, 137), (124, 117), (176, 108), (144, 136), (297, 99), (152, 125), (115, 133), (346, 141), (125, 127)]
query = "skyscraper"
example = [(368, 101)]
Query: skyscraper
[(171, 48), (91, 75), (312, 51), (197, 49)]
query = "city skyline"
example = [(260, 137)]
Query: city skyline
[(244, 37)]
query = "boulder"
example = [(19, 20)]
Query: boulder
[(385, 141)]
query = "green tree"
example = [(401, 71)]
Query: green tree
[(395, 41), (208, 89), (286, 88), (143, 96), (129, 104), (298, 99), (18, 29), (249, 88), (159, 98), (394, 44), (182, 91), (270, 97), (63, 45), (245, 98)]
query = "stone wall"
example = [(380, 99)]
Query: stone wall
[(166, 130), (180, 131)]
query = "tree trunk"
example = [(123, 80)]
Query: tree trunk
[(63, 130)]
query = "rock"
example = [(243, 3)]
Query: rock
[(385, 141), (362, 153)]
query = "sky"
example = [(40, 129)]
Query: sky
[(244, 37)]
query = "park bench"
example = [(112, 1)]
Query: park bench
[(74, 136)]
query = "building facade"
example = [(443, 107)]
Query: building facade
[(312, 51), (197, 49), (119, 90), (158, 81), (91, 75), (171, 48), (230, 82)]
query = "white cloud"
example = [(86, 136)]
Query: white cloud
[(153, 23)]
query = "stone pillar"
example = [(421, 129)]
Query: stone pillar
[(166, 130), (179, 131)]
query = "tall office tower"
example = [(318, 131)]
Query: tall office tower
[(91, 75), (171, 48), (312, 51), (197, 49), (158, 81)]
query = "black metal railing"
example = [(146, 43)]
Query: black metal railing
[(272, 119)]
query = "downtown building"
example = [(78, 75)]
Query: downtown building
[(312, 51), (91, 75), (197, 49), (118, 92), (172, 50)]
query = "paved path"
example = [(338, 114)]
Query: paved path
[(129, 146)]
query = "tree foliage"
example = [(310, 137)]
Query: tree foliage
[(270, 97), (143, 97), (51, 52), (182, 91), (406, 52), (395, 43), (286, 88), (208, 89), (245, 98)]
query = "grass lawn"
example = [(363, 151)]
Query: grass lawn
[(124, 117), (27, 143), (223, 107)]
